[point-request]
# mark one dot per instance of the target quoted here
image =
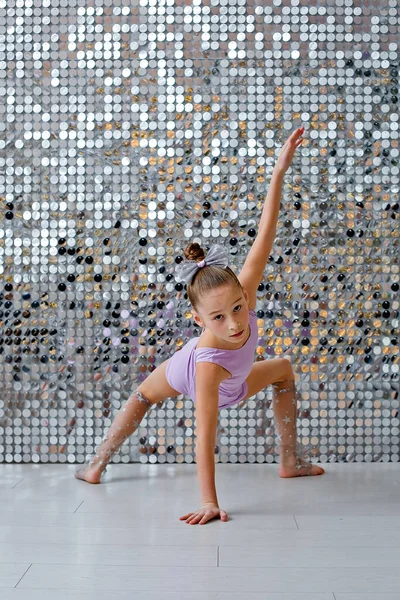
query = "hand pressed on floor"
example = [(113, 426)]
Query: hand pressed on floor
[(207, 512)]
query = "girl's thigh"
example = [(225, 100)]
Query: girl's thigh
[(265, 372), (156, 387)]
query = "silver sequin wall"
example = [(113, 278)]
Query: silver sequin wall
[(128, 128)]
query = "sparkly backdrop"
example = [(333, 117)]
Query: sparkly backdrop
[(129, 128)]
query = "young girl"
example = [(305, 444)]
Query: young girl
[(216, 369)]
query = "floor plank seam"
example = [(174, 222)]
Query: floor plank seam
[(79, 506), (14, 486), (23, 575)]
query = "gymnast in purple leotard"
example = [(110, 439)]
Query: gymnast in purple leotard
[(222, 373)]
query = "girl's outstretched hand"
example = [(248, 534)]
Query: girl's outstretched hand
[(287, 151), (207, 512)]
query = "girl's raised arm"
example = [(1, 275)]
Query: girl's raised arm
[(253, 268)]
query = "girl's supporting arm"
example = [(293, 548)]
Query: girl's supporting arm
[(208, 378)]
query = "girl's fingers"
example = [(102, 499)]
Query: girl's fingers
[(298, 132), (195, 520), (292, 137), (204, 520), (292, 141)]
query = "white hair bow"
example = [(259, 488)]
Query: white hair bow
[(217, 256)]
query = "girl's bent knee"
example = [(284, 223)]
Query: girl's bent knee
[(288, 368)]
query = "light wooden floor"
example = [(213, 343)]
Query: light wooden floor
[(334, 537)]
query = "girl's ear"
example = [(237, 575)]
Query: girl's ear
[(198, 320), (245, 294)]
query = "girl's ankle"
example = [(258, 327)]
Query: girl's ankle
[(97, 465), (287, 454)]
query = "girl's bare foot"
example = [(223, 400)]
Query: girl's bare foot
[(89, 473), (298, 467)]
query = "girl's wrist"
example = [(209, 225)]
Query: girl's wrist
[(213, 502), (278, 173)]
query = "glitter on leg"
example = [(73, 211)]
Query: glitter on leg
[(292, 464), (125, 423)]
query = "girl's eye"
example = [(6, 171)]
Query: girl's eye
[(238, 306)]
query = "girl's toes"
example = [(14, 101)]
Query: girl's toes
[(318, 470)]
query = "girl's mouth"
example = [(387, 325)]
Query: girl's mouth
[(237, 334)]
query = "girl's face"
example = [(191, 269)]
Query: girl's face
[(225, 312)]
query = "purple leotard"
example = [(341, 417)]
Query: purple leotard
[(181, 368)]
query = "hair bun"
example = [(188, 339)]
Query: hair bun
[(194, 251)]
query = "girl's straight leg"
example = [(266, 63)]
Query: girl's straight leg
[(150, 392), (285, 413), (125, 423)]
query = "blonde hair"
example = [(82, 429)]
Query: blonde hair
[(208, 277)]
